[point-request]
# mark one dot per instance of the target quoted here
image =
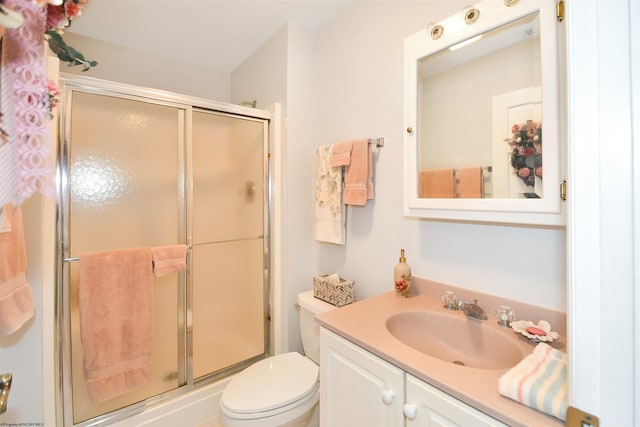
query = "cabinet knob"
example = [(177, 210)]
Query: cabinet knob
[(410, 411), (387, 396)]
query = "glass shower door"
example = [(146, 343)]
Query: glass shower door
[(125, 185), (229, 253), (141, 169)]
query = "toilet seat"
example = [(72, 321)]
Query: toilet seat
[(270, 387)]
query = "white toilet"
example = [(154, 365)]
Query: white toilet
[(282, 390)]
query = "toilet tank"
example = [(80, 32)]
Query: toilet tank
[(309, 328)]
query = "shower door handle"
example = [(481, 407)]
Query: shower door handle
[(250, 190), (5, 387)]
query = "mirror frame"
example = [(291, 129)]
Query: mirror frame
[(550, 209)]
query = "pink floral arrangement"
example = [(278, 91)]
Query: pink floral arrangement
[(53, 95), (526, 151), (60, 14)]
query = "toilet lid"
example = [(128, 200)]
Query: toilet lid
[(271, 383)]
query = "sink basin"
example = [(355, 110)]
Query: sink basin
[(457, 339)]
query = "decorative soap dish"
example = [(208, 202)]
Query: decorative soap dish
[(539, 333)]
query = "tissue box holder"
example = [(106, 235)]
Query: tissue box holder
[(337, 294)]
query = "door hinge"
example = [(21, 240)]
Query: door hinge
[(560, 10), (563, 189), (578, 418)]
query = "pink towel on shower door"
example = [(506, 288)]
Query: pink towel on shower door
[(116, 320), (168, 259)]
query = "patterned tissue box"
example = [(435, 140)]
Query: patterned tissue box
[(334, 289)]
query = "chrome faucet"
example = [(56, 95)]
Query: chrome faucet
[(472, 309)]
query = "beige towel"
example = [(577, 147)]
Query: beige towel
[(438, 183), (471, 183), (168, 259), (329, 215), (116, 320), (16, 300)]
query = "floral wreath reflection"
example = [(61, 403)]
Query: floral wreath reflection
[(526, 151)]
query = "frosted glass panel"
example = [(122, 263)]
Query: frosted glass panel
[(123, 173), (228, 166), (123, 190), (228, 304)]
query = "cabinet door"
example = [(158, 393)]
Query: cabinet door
[(357, 388), (428, 406)]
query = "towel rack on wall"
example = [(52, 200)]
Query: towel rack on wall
[(487, 169), (378, 141)]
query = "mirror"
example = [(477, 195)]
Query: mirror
[(479, 86)]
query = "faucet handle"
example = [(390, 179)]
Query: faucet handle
[(505, 315), (449, 300)]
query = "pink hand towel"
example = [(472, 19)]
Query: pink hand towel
[(168, 259), (439, 183), (471, 183), (16, 300), (341, 153), (357, 175), (115, 304)]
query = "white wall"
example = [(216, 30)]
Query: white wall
[(359, 93), (466, 138), (282, 71), (263, 75), (120, 64)]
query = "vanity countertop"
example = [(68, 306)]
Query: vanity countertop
[(364, 322)]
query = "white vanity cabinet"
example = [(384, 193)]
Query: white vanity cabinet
[(428, 406), (358, 388)]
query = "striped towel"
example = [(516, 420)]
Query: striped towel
[(539, 381)]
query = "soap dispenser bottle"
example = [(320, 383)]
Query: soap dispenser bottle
[(402, 277)]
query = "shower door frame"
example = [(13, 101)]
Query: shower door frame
[(186, 105)]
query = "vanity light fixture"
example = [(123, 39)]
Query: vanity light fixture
[(471, 15), (435, 30), (465, 43), (510, 3)]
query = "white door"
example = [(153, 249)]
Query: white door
[(509, 109)]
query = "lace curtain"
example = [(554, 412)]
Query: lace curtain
[(26, 161)]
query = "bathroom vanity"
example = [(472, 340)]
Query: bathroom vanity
[(375, 372), (351, 392)]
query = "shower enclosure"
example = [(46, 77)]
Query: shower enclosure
[(142, 168)]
